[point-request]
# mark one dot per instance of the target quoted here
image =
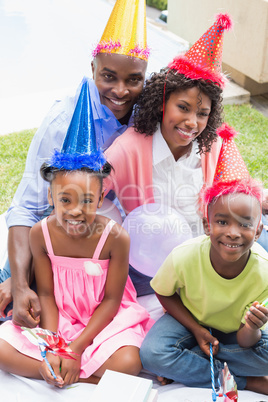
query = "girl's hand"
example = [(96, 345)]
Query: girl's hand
[(204, 338), (70, 370), (256, 316), (55, 363)]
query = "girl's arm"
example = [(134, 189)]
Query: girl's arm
[(177, 310), (45, 289), (107, 310), (114, 288), (250, 332), (44, 279)]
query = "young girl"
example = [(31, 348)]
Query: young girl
[(81, 270), (216, 282)]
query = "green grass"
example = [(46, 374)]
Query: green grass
[(252, 143), (13, 152), (252, 140)]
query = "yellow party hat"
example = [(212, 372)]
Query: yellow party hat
[(125, 32)]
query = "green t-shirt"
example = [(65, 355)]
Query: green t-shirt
[(214, 301)]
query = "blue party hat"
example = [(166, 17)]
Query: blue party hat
[(80, 146)]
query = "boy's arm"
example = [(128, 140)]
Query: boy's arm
[(250, 332), (177, 310)]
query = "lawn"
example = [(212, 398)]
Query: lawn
[(252, 143)]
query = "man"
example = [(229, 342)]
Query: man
[(118, 69)]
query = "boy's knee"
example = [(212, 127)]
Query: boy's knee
[(147, 355)]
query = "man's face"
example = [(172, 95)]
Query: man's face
[(119, 80)]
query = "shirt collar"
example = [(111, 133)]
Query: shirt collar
[(161, 149)]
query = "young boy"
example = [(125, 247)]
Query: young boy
[(216, 282)]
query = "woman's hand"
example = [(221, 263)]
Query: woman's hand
[(55, 363), (204, 338)]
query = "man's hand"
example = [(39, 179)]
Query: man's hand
[(26, 308), (5, 295)]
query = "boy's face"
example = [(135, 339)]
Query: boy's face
[(119, 80), (233, 228)]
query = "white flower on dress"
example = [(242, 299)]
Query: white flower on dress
[(92, 268)]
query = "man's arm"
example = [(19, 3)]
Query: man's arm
[(26, 307), (28, 206)]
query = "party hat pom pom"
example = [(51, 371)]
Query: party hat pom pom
[(225, 21), (226, 132)]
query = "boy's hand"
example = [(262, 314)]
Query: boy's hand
[(204, 338), (55, 363), (256, 316), (70, 370)]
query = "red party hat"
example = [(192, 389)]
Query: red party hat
[(231, 174), (203, 59), (230, 166)]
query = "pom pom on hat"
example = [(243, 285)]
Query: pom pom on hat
[(226, 132), (225, 21)]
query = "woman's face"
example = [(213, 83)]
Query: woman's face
[(185, 117)]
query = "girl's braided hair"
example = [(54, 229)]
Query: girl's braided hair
[(148, 110)]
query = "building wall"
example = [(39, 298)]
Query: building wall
[(245, 53)]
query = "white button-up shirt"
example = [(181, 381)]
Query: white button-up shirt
[(177, 183)]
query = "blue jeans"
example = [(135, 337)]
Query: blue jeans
[(141, 282), (171, 351)]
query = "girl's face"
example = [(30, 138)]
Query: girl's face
[(186, 116), (76, 197)]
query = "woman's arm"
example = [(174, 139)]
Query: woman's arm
[(44, 280), (174, 306)]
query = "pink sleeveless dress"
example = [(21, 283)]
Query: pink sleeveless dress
[(79, 288)]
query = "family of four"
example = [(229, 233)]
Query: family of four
[(160, 141)]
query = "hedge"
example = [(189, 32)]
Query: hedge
[(160, 4)]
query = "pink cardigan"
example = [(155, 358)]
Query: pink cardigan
[(132, 159)]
